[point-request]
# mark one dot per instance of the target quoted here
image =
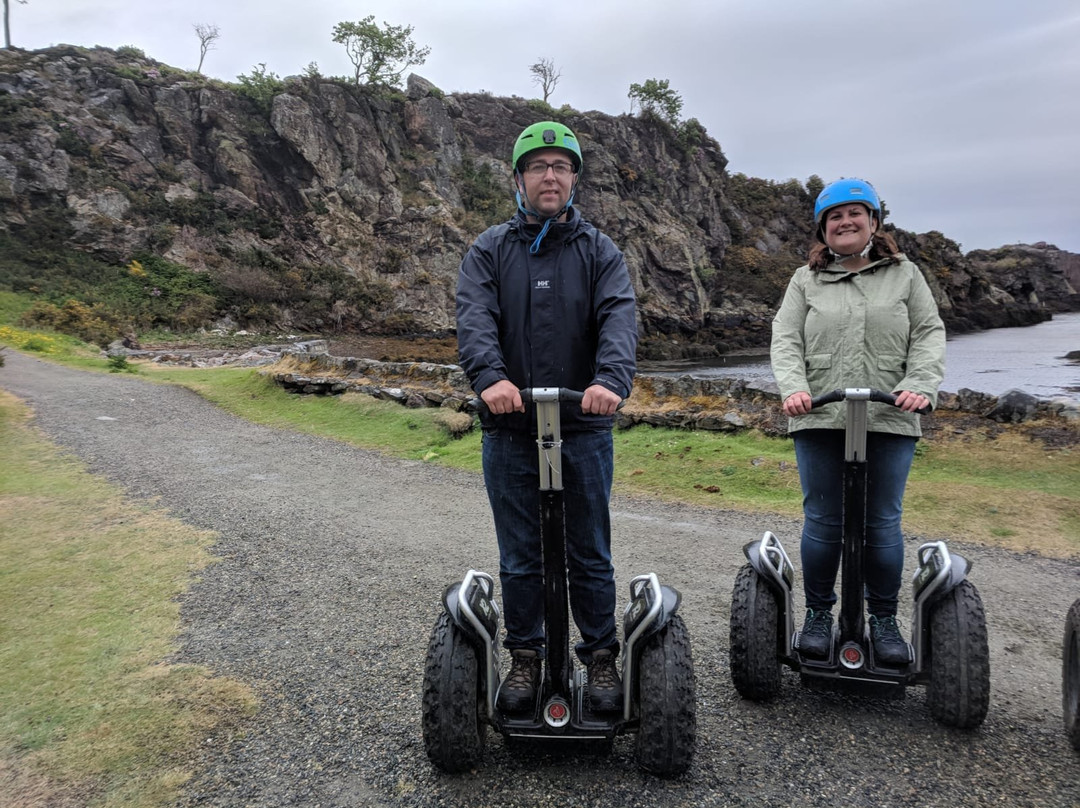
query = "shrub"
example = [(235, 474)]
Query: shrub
[(69, 141), (28, 340), (541, 109), (657, 99), (130, 52), (15, 113), (118, 363), (691, 134), (260, 86), (483, 193), (89, 323)]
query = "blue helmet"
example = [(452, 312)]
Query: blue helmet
[(846, 191)]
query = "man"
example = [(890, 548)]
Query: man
[(545, 300)]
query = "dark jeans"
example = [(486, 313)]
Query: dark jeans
[(511, 475), (820, 455)]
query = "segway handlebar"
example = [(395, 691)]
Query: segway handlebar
[(857, 394), (541, 394)]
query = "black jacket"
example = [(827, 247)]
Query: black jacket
[(564, 317)]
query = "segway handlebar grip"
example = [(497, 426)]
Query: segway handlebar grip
[(550, 394), (865, 393)]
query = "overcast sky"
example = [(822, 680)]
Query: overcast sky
[(964, 114)]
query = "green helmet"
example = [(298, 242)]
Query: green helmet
[(547, 135)]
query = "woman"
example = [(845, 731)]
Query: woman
[(859, 314)]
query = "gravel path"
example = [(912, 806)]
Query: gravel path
[(333, 563)]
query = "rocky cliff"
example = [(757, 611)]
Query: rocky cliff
[(281, 190)]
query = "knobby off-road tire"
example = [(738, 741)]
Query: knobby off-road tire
[(454, 733), (1070, 675), (667, 701), (755, 665), (959, 690)]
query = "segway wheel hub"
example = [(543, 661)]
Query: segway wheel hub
[(557, 713), (851, 656)]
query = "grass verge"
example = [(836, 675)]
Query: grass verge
[(91, 711)]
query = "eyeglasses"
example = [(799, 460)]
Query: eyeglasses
[(538, 168)]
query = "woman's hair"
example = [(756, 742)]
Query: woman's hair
[(882, 245)]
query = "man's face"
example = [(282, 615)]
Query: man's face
[(547, 179)]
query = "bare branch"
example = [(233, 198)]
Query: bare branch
[(546, 75), (208, 34)]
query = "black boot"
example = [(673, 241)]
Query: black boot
[(889, 646), (518, 691), (605, 686), (815, 639)]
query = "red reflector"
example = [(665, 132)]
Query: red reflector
[(557, 711), (852, 654)]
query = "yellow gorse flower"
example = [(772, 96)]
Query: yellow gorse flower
[(28, 340)]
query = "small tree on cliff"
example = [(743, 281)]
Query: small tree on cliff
[(656, 98), (546, 75), (7, 22), (380, 55), (208, 34)]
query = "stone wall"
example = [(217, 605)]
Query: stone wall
[(681, 402)]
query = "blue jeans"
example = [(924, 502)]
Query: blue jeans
[(511, 475), (820, 455)]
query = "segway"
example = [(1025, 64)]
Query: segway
[(948, 651), (1070, 675), (462, 672)]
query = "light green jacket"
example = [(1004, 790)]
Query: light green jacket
[(876, 328)]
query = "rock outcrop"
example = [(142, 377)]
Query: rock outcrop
[(115, 154)]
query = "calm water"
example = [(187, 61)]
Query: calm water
[(1031, 359)]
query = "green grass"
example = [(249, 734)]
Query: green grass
[(12, 306), (89, 709), (749, 471), (1009, 492)]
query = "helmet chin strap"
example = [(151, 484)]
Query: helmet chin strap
[(841, 257), (534, 248)]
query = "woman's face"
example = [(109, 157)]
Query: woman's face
[(848, 228)]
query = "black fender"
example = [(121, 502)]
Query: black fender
[(939, 572), (956, 574), (652, 606), (769, 560), (638, 625), (480, 602)]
